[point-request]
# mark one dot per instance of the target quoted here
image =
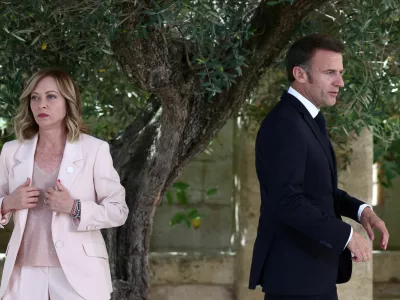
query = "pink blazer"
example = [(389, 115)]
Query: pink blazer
[(87, 172)]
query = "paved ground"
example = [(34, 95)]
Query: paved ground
[(387, 291)]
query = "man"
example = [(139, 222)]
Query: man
[(303, 248)]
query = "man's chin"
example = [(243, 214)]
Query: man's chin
[(331, 101)]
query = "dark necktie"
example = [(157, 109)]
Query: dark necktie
[(320, 119), (321, 122)]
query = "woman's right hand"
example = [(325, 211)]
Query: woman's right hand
[(24, 196)]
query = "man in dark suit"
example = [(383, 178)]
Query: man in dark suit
[(303, 248)]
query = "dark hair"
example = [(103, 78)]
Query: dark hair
[(302, 51)]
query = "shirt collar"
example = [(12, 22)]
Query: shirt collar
[(312, 109)]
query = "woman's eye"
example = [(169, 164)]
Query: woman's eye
[(33, 98), (51, 97)]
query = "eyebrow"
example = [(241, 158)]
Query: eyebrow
[(45, 93), (332, 70)]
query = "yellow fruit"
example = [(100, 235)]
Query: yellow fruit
[(44, 46), (196, 222)]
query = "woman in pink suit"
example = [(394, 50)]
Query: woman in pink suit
[(60, 186)]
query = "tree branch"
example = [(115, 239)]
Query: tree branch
[(274, 26)]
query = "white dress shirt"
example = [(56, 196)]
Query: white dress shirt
[(313, 110)]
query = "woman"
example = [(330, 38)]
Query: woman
[(61, 187)]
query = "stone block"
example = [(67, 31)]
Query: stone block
[(219, 175), (192, 269), (386, 291), (193, 174), (191, 292), (214, 234), (357, 181), (387, 266), (221, 146), (389, 212)]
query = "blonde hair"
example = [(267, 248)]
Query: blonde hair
[(25, 126)]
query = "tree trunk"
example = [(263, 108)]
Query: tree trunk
[(175, 126)]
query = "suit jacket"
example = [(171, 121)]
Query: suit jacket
[(301, 239), (88, 174)]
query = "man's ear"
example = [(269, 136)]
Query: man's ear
[(300, 74)]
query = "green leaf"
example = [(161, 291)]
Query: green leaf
[(188, 224), (213, 13), (180, 185), (182, 197), (178, 218), (366, 25), (17, 37), (170, 197), (107, 51), (211, 192), (239, 70), (35, 40)]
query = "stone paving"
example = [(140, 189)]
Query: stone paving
[(387, 291)]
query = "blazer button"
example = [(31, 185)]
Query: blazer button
[(59, 244)]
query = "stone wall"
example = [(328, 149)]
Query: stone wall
[(389, 211), (213, 168), (357, 181), (193, 276)]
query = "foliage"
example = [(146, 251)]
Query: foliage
[(209, 31), (178, 195), (370, 30), (36, 34)]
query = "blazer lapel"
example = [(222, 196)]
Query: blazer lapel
[(25, 155), (71, 163), (311, 122), (322, 140)]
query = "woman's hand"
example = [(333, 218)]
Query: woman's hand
[(59, 200), (24, 196)]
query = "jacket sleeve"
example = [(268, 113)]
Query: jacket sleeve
[(4, 191), (348, 206), (111, 209), (281, 155)]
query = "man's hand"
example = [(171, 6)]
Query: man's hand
[(369, 220), (361, 248)]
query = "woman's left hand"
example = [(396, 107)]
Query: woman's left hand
[(59, 200)]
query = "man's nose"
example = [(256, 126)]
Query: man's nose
[(339, 81)]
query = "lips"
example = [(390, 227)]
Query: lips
[(43, 115)]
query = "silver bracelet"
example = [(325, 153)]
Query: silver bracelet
[(76, 214)]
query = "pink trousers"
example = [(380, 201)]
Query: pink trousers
[(40, 283)]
